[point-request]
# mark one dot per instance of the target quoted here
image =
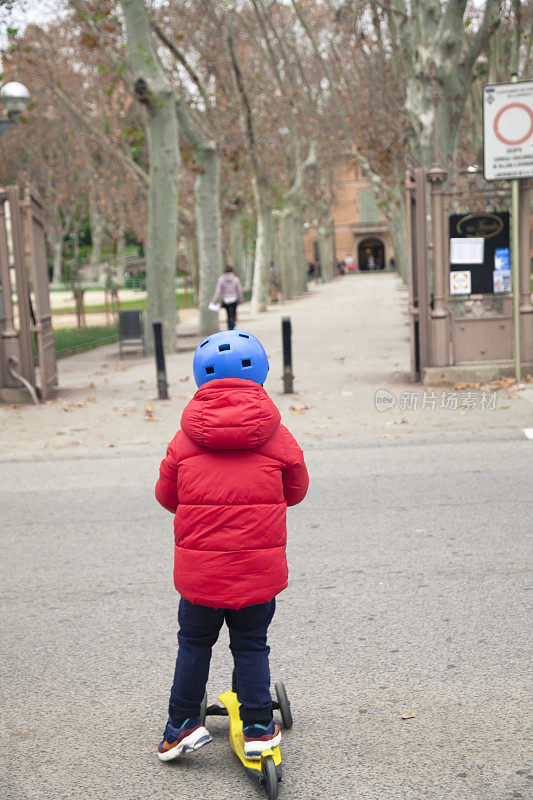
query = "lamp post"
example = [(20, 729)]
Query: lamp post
[(15, 98)]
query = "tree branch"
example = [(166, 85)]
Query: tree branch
[(178, 55), (246, 118), (489, 23), (125, 159)]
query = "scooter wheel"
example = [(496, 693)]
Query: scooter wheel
[(203, 709), (284, 705), (270, 778)]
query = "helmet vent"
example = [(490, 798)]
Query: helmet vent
[(204, 343), (244, 335), (222, 347), (246, 362), (209, 370)]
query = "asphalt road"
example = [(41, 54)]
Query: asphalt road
[(408, 592)]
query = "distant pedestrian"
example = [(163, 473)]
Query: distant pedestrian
[(229, 290), (392, 263)]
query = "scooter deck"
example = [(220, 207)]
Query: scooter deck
[(236, 737)]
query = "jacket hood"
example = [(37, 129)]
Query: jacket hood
[(230, 414)]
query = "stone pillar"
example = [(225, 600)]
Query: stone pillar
[(526, 308), (440, 321)]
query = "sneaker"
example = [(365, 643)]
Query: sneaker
[(258, 738), (189, 735)]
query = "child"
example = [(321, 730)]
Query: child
[(228, 476)]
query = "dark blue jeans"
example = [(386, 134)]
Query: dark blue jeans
[(199, 629)]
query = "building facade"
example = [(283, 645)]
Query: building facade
[(362, 236)]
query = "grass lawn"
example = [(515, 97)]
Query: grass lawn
[(182, 301), (72, 340)]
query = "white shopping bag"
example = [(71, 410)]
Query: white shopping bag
[(214, 306)]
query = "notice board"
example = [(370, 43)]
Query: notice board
[(490, 267)]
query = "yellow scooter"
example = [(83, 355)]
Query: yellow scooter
[(267, 769)]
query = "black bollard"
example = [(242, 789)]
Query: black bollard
[(288, 377), (161, 370)]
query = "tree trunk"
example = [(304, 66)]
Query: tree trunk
[(287, 270), (249, 256), (208, 227), (263, 247), (236, 242), (191, 247), (96, 222), (300, 263), (57, 251), (398, 229), (120, 250), (324, 251), (156, 93)]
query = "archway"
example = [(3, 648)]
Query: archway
[(371, 255)]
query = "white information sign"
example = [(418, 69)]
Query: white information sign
[(461, 282), (508, 130), (467, 251)]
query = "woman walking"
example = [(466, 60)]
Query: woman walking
[(229, 290)]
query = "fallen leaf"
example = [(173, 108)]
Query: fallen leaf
[(386, 435), (98, 372), (111, 444), (91, 385), (409, 715), (346, 394), (13, 405), (299, 408), (92, 399), (186, 378), (460, 385), (502, 408), (66, 407)]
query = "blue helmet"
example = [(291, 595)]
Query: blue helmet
[(230, 354)]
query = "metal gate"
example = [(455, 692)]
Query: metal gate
[(26, 316), (473, 329)]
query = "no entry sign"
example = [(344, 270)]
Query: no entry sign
[(508, 130)]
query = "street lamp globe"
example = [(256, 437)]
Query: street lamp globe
[(15, 97)]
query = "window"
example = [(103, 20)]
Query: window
[(368, 210)]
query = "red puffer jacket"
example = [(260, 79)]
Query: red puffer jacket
[(229, 475)]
